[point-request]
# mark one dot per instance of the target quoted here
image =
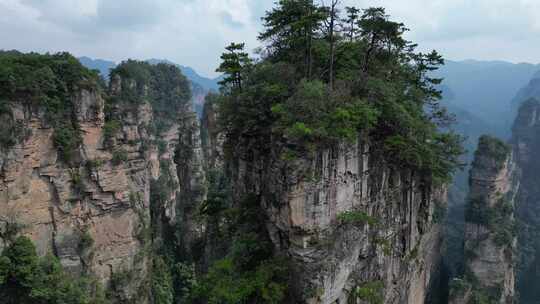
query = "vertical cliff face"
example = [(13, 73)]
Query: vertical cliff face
[(189, 166), (57, 204), (489, 229), (526, 142), (354, 229), (125, 179), (212, 138), (504, 185)]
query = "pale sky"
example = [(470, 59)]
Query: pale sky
[(194, 32)]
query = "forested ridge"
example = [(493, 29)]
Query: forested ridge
[(324, 77)]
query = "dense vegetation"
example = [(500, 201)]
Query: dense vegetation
[(162, 85), (242, 266), (250, 272), (478, 294), (46, 82), (323, 79), (27, 279)]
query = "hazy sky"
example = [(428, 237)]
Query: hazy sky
[(194, 32)]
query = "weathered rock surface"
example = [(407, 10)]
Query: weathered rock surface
[(212, 138), (526, 145), (489, 229), (100, 202), (397, 247)]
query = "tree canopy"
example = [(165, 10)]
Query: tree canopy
[(319, 83)]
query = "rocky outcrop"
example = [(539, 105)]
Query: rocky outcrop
[(212, 137), (56, 204), (95, 213), (189, 159), (525, 94), (354, 228), (526, 144), (490, 238)]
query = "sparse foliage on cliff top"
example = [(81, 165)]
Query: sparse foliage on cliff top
[(491, 148), (314, 87)]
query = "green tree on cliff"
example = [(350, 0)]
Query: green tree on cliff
[(383, 89), (235, 61), (290, 32)]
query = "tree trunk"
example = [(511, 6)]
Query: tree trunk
[(332, 42), (310, 37)]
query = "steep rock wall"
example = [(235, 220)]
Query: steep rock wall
[(94, 214), (211, 135), (393, 253), (490, 240), (526, 144)]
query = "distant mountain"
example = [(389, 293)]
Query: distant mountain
[(103, 66), (486, 88), (467, 122), (531, 90), (210, 84), (469, 125)]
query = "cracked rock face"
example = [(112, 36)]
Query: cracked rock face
[(489, 254), (397, 246), (98, 203), (212, 138), (509, 266), (526, 145), (54, 202)]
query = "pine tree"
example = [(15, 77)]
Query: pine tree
[(290, 29), (234, 61), (383, 41), (351, 29), (332, 25)]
